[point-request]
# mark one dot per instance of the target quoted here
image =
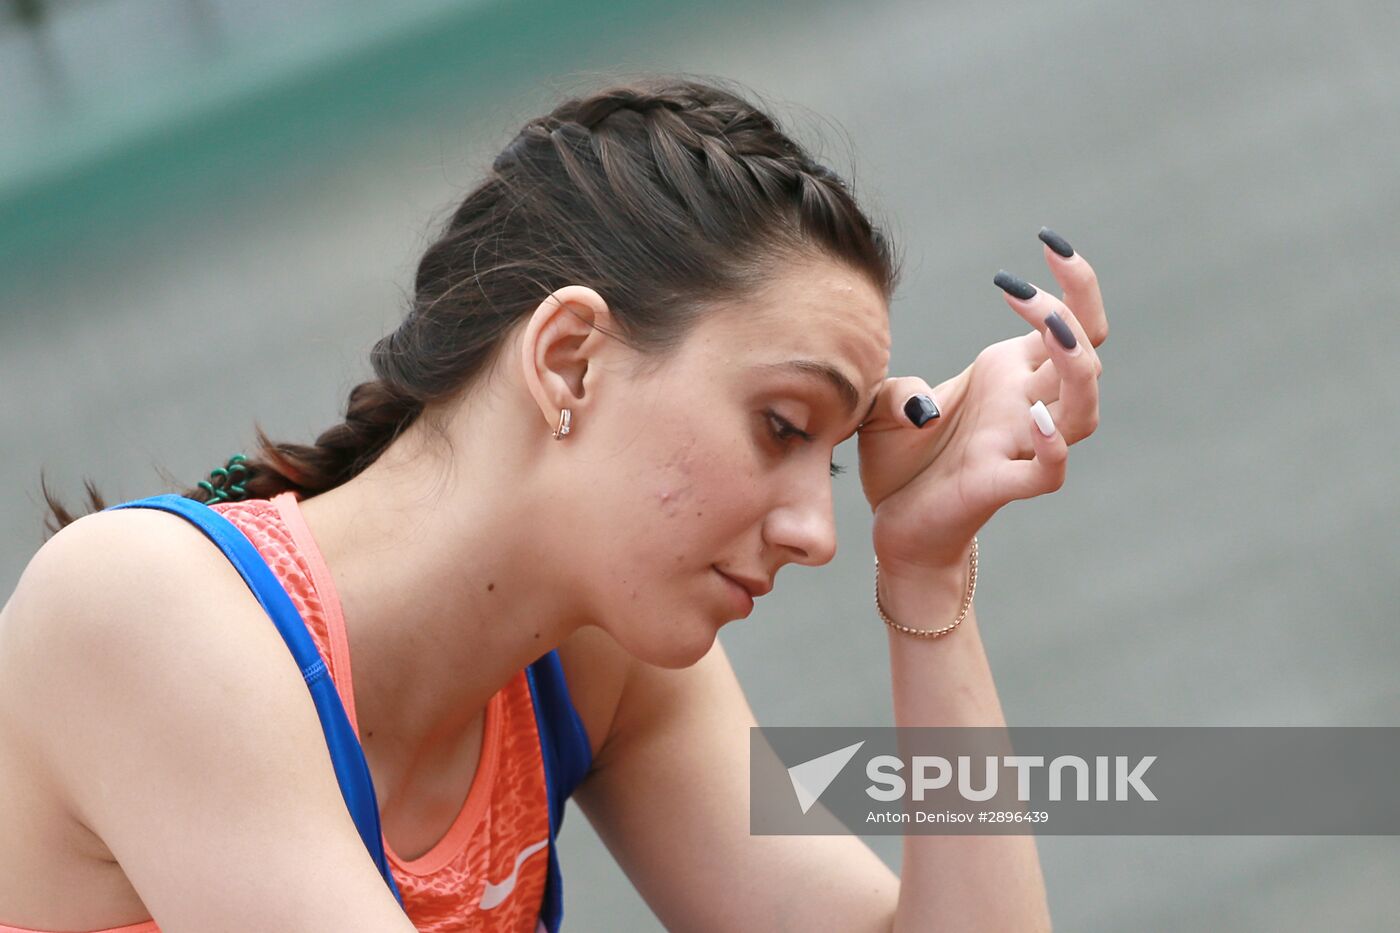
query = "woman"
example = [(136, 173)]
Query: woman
[(602, 428)]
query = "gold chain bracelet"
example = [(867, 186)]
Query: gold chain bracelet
[(933, 632)]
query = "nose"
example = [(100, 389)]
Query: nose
[(804, 524)]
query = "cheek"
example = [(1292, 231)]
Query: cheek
[(673, 487), (696, 495)]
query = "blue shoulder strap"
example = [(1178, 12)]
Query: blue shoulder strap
[(346, 755), (567, 758)]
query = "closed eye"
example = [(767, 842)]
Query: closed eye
[(784, 430)]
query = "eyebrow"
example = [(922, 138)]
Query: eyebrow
[(829, 374)]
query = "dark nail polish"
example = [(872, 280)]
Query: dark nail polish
[(1056, 242), (921, 410), (1014, 285), (1061, 330)]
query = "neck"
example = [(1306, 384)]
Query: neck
[(446, 596)]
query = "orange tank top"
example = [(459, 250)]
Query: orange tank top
[(487, 874)]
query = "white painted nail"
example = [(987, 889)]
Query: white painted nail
[(1043, 421)]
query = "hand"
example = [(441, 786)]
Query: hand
[(933, 488)]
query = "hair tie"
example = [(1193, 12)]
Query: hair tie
[(225, 483)]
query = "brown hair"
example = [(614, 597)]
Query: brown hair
[(664, 195)]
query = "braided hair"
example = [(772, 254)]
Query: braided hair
[(666, 196)]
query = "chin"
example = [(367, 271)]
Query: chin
[(689, 657), (674, 647)]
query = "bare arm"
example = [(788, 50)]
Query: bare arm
[(959, 882), (182, 733), (669, 795)]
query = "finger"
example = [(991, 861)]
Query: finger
[(1075, 402), (1025, 479), (1035, 305), (903, 402), (1068, 388), (1080, 284)]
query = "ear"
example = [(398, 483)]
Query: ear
[(561, 339)]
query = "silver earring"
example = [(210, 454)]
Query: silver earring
[(566, 418)]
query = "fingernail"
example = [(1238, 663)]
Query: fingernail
[(1043, 421), (920, 409), (1056, 242), (1014, 285), (1061, 330)]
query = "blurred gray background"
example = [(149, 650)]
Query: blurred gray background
[(209, 210)]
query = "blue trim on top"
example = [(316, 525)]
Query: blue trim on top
[(351, 769), (564, 744), (567, 757)]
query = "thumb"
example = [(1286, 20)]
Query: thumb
[(903, 402)]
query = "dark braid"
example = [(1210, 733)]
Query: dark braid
[(665, 196), (704, 141)]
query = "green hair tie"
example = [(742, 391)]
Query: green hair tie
[(225, 483)]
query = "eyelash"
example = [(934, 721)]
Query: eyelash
[(785, 430)]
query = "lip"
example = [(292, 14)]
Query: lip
[(742, 598)]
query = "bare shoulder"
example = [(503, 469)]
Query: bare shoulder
[(128, 598), (140, 673), (103, 592), (92, 561), (92, 570), (91, 600)]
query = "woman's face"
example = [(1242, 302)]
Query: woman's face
[(698, 469)]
